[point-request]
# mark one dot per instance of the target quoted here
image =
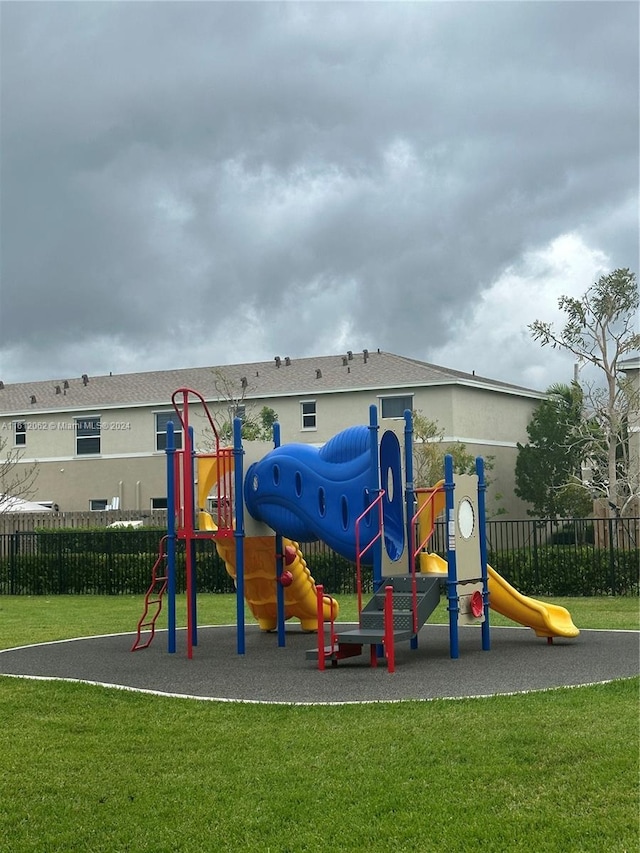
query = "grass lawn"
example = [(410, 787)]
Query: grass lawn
[(85, 768)]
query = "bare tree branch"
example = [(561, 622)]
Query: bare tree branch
[(17, 479)]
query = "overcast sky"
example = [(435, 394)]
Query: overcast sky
[(195, 183)]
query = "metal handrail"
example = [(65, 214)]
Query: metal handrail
[(360, 554), (224, 480), (414, 523)]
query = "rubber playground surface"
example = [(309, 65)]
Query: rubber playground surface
[(517, 662)]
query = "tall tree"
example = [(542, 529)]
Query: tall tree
[(234, 394), (600, 329), (548, 467)]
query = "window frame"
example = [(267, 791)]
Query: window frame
[(388, 397), (158, 433), (90, 437), (93, 501), (308, 427), (19, 433)]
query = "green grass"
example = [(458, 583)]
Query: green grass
[(85, 768)]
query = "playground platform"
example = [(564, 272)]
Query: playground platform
[(518, 662)]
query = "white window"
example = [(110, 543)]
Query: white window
[(162, 419), (394, 407), (98, 504), (239, 411), (88, 435), (19, 433), (308, 414)]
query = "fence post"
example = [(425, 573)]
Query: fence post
[(110, 574), (536, 565), (13, 550), (612, 556)]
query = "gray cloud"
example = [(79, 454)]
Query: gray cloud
[(192, 183)]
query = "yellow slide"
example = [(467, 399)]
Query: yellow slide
[(260, 591), (547, 620), (300, 597)]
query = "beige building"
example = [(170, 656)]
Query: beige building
[(631, 367), (99, 440)]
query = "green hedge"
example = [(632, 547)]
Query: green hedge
[(119, 561), (573, 571), (104, 574)]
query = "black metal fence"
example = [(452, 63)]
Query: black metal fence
[(119, 562), (586, 557)]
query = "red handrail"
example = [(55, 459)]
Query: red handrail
[(322, 656), (224, 480), (360, 554), (414, 521), (428, 503)]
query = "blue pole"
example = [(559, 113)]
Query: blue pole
[(239, 533), (171, 539), (376, 549), (482, 531), (409, 490), (191, 543), (280, 565), (452, 574), (409, 497), (374, 489)]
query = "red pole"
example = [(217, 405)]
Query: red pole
[(180, 401), (320, 606), (388, 629)]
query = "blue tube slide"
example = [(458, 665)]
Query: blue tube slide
[(307, 493)]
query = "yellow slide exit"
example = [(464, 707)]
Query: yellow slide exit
[(547, 620)]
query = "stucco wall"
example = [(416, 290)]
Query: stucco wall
[(130, 468)]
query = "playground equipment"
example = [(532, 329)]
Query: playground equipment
[(356, 494), (269, 571)]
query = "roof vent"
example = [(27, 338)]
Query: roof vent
[(278, 361), (287, 361), (58, 389), (243, 381), (1, 384), (344, 360), (33, 398), (365, 353), (65, 384), (85, 379), (318, 373), (350, 355)]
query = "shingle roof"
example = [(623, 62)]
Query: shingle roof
[(302, 376)]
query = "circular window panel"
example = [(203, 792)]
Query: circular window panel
[(466, 518)]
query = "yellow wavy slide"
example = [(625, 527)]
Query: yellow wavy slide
[(260, 584), (547, 620)]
